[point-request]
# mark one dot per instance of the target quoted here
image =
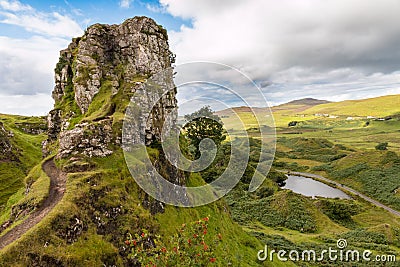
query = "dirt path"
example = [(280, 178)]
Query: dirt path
[(56, 192), (345, 188)]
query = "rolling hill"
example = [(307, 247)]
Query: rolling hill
[(378, 107), (307, 108), (300, 104)]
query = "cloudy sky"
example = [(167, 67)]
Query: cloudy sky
[(327, 49)]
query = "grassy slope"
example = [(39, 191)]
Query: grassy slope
[(95, 194), (107, 186), (285, 113), (379, 107), (360, 140), (27, 147), (380, 229), (96, 191)]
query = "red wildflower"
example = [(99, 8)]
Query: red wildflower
[(213, 259), (205, 247), (206, 219), (143, 234), (195, 235), (205, 232), (134, 242), (163, 250), (189, 241), (175, 249), (127, 242)]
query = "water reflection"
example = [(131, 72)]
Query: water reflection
[(312, 188)]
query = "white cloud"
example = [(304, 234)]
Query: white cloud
[(304, 45), (125, 3), (14, 6), (351, 86), (27, 64), (32, 105), (156, 8), (52, 24)]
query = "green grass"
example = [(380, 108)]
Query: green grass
[(350, 133), (96, 193), (336, 148), (26, 148), (237, 247), (379, 107), (39, 184)]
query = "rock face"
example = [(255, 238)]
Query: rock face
[(106, 52), (32, 128), (95, 78), (87, 139), (6, 147)]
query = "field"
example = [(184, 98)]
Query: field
[(324, 140)]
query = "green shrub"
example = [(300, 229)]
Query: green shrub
[(381, 146), (339, 211), (190, 246)]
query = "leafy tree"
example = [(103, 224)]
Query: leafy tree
[(203, 124), (277, 177), (382, 146)]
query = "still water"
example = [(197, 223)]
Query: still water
[(312, 188)]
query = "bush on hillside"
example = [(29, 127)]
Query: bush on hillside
[(381, 146), (192, 245)]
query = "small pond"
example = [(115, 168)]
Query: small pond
[(311, 188)]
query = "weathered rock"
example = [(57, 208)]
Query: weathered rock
[(109, 60), (54, 124), (88, 139), (6, 147), (71, 231), (32, 128), (137, 47)]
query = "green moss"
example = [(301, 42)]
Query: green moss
[(62, 62)]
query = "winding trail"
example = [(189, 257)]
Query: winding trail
[(343, 187), (56, 192)]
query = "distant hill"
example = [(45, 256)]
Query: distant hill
[(305, 109), (300, 105), (378, 107), (308, 102), (242, 109), (295, 106)]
